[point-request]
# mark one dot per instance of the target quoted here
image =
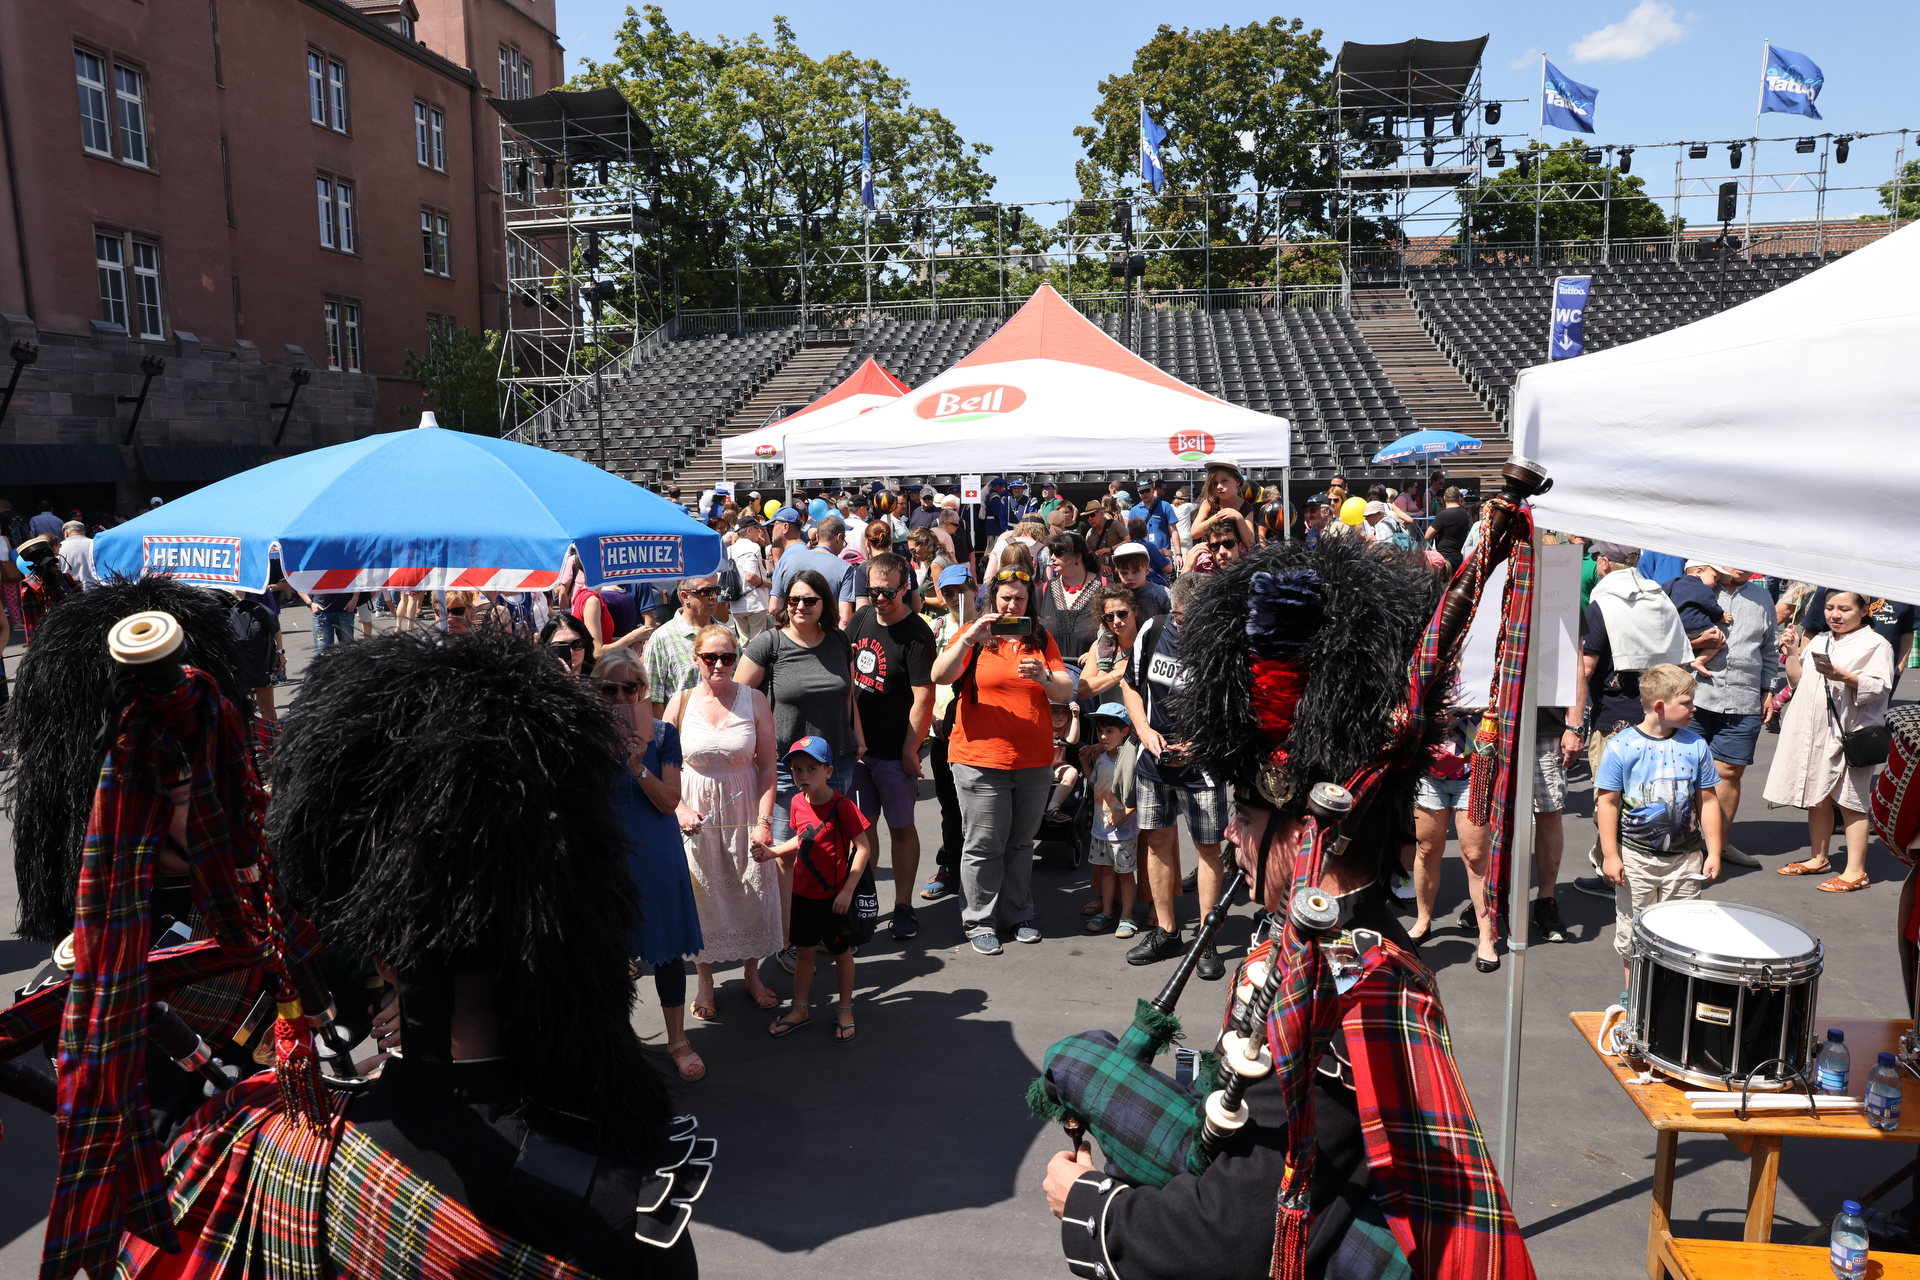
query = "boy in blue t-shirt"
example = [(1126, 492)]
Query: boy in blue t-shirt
[(1653, 807)]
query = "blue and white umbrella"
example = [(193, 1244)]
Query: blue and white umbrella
[(426, 509), (1427, 444)]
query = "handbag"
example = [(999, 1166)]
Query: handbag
[(1862, 748)]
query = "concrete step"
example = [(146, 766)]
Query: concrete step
[(795, 382), (1426, 380)]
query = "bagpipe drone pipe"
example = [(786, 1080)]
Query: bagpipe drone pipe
[(1149, 1127)]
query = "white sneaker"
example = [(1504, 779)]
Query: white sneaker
[(1739, 859)]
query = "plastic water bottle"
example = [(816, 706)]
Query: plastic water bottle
[(1883, 1094), (1831, 1068), (1848, 1252)]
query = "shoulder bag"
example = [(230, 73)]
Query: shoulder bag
[(1863, 748)]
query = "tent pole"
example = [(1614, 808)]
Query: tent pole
[(1286, 499), (1521, 877)]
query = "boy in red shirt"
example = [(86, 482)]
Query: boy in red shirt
[(838, 849)]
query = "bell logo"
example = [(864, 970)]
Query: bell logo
[(970, 404), (1190, 446), (764, 451)]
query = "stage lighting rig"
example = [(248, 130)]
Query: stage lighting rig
[(1593, 155), (1840, 145), (1087, 209), (1426, 155), (1804, 146), (1122, 217), (1223, 207), (1015, 216), (1493, 113), (783, 225), (1626, 161), (1523, 163), (1459, 122), (1192, 204), (1735, 154), (546, 173), (883, 221), (919, 226), (1697, 151)]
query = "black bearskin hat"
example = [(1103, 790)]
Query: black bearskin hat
[(62, 697), (1332, 630), (446, 806)]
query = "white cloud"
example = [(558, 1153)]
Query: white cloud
[(1650, 26), (1531, 58)]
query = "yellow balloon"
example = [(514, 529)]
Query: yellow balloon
[(773, 505), (1353, 511)]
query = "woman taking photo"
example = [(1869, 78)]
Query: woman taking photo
[(726, 803), (646, 794), (1069, 608), (1001, 751), (1842, 682)]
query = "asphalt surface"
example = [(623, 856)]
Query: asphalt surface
[(910, 1147)]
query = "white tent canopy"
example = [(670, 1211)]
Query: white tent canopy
[(1781, 436), (866, 389), (1049, 391)]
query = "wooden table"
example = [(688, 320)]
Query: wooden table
[(1666, 1108), (1716, 1259)]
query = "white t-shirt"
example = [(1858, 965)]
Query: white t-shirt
[(745, 554), (76, 557)]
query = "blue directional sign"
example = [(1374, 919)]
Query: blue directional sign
[(1567, 335)]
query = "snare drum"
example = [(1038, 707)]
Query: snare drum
[(1718, 991)]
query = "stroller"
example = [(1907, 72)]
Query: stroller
[(1064, 840)]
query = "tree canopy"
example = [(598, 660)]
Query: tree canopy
[(1571, 208), (459, 375), (1909, 195)]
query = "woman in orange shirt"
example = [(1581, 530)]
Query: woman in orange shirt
[(1001, 751)]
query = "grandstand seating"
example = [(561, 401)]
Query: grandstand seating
[(1492, 322)]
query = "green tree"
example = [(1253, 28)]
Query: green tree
[(1216, 91), (459, 376), (1909, 191), (1571, 204), (754, 131)]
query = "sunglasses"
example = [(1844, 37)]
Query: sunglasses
[(1013, 575), (802, 602), (718, 659), (1119, 615), (613, 688), (562, 648), (885, 593), (702, 591), (1221, 546)]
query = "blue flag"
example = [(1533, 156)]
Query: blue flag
[(1791, 83), (1151, 136), (1567, 335), (1564, 103), (866, 165)]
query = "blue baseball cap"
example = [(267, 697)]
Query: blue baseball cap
[(788, 514), (815, 747), (1016, 483), (954, 575), (1112, 711)]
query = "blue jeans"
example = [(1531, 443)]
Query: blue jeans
[(328, 628), (784, 792)]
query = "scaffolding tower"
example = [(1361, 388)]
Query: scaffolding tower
[(580, 188)]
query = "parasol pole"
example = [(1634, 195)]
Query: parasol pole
[(1521, 875)]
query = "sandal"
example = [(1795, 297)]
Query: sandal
[(785, 1026), (704, 1009), (843, 1031), (1805, 869), (764, 998), (1840, 884), (687, 1062), (1091, 909)]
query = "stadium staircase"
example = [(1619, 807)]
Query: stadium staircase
[(1438, 396), (804, 375)]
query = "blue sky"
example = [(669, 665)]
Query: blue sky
[(1020, 76)]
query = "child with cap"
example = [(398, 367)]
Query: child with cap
[(1116, 825), (829, 852), (1133, 565), (1066, 742), (1697, 601)]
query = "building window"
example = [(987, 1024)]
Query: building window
[(438, 123), (133, 115), (516, 74), (146, 288), (317, 87), (422, 142), (109, 254), (435, 230), (329, 229), (337, 93), (430, 136), (343, 335), (343, 198), (338, 224), (91, 72)]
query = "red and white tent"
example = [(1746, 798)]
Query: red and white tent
[(866, 389), (1049, 392)]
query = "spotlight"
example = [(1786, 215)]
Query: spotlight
[(1840, 145), (883, 222), (600, 172), (1626, 161), (1496, 158), (721, 231), (1087, 209), (1493, 113), (546, 173), (1592, 155), (1523, 163), (1323, 155), (1804, 146), (591, 254), (1015, 216), (1295, 200), (1735, 154), (1698, 151), (783, 225), (1122, 217), (1426, 155), (1459, 122), (919, 226), (1426, 125), (1223, 207), (1192, 204), (522, 175), (813, 229)]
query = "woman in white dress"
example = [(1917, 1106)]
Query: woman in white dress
[(726, 797), (1842, 682)]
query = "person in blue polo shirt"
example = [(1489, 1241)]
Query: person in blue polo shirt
[(1163, 526)]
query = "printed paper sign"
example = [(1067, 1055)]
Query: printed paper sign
[(970, 489)]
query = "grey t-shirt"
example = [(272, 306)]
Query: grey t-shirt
[(808, 689)]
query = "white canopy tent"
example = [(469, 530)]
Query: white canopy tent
[(1781, 437), (865, 389), (1051, 392)]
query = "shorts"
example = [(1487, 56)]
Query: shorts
[(1732, 738), (1441, 794), (1549, 776), (815, 925), (1651, 878), (1121, 855), (1207, 808), (884, 785)]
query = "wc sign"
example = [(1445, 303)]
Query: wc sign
[(1567, 333)]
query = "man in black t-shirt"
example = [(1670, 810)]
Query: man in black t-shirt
[(893, 651), (1450, 527)]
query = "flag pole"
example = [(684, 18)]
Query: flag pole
[(1753, 161), (1539, 169)]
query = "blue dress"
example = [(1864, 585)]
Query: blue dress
[(669, 925)]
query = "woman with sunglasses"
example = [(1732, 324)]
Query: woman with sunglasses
[(806, 670), (646, 796), (726, 804), (563, 638), (1001, 751), (1067, 607)]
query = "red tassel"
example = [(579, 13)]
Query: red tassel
[(1290, 1244), (1486, 762), (297, 1066), (1277, 687)]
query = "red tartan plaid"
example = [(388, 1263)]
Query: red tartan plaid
[(32, 1022), (34, 606)]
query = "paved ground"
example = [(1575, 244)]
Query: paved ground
[(912, 1142)]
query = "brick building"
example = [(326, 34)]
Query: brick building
[(241, 188)]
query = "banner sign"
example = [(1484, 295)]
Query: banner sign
[(1567, 335), (970, 490), (1565, 103), (1790, 83), (197, 558), (629, 557)]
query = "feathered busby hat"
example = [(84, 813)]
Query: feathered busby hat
[(446, 806), (1296, 661), (62, 698)]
